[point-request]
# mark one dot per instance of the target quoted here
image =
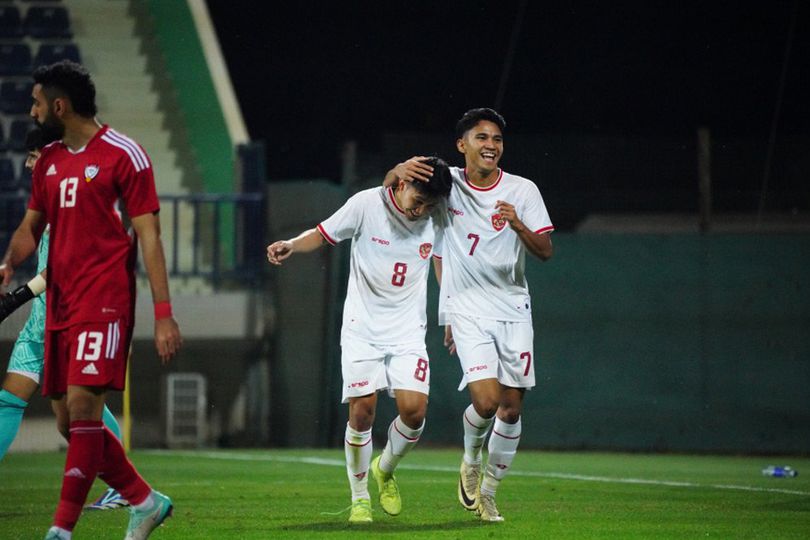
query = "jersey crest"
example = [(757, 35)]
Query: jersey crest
[(424, 250), (498, 221), (90, 172)]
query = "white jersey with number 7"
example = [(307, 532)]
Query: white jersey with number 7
[(483, 260), (390, 256)]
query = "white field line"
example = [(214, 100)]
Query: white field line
[(229, 456)]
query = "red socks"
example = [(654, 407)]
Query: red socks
[(119, 473), (84, 454), (94, 450)]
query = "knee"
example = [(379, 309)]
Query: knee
[(80, 409), (413, 418), (486, 406), (361, 417), (63, 427)]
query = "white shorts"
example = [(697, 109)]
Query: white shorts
[(489, 349), (368, 367)]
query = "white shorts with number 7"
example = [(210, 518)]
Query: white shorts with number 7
[(489, 349)]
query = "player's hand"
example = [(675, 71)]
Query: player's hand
[(6, 271), (167, 338), (9, 302), (278, 251), (448, 340), (414, 169), (508, 212)]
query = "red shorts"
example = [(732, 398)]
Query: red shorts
[(86, 354)]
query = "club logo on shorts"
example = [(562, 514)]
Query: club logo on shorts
[(424, 250), (498, 222), (90, 172)]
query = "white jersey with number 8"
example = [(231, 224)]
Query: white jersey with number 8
[(483, 260), (390, 257)]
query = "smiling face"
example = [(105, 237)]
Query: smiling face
[(482, 146), (414, 203)]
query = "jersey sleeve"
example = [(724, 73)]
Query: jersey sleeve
[(37, 199), (342, 224), (137, 185), (535, 216)]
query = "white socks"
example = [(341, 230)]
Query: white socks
[(401, 439), (358, 446), (475, 431), (503, 444)]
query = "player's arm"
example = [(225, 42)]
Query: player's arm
[(307, 241), (9, 302), (167, 333), (538, 245), (413, 169), (23, 244)]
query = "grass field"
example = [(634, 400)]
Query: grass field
[(260, 494)]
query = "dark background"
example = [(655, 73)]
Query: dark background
[(312, 75)]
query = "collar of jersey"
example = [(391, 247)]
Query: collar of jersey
[(476, 188), (394, 201)]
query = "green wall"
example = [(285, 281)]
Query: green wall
[(648, 342), (202, 114)]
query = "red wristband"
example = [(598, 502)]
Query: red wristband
[(163, 310)]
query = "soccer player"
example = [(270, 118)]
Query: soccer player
[(494, 219), (28, 356), (384, 321), (76, 186)]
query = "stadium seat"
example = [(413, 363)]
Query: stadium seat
[(15, 59), (8, 179), (17, 133), (47, 22), (49, 53), (15, 97), (10, 22)]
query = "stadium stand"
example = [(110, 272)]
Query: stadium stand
[(10, 22), (15, 59), (49, 53), (47, 22)]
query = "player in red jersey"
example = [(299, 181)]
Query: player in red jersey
[(76, 188)]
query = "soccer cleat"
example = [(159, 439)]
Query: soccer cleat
[(390, 500), (109, 500), (468, 480), (54, 534), (143, 522), (487, 509), (361, 512)]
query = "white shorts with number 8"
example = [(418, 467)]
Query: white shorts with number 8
[(369, 367), (489, 349)]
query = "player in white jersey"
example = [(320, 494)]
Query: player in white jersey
[(493, 219), (384, 321)]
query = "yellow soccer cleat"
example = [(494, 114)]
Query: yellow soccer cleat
[(487, 509), (390, 499), (361, 512), (468, 480)]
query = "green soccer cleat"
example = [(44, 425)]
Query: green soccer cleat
[(487, 510), (390, 499), (361, 512), (143, 522), (468, 481)]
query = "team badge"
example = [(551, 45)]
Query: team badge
[(424, 250), (90, 172), (498, 222)]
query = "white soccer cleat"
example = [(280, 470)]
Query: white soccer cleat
[(143, 522), (468, 480), (487, 509)]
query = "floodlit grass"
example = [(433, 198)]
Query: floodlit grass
[(258, 494)]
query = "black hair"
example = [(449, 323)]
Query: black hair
[(471, 118), (34, 140), (71, 80), (440, 183)]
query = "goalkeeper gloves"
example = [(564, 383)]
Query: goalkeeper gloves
[(9, 302)]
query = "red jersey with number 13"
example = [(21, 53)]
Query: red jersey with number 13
[(91, 263)]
